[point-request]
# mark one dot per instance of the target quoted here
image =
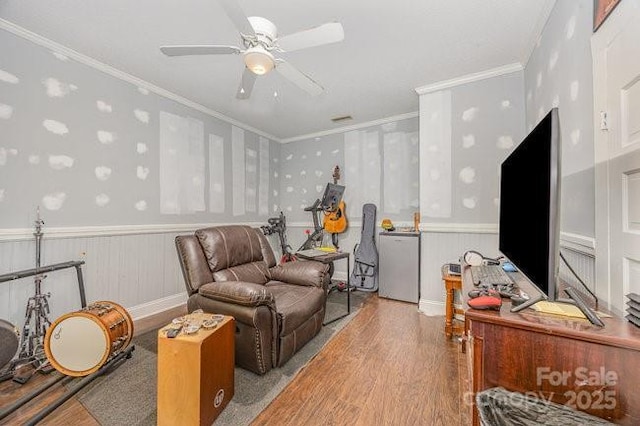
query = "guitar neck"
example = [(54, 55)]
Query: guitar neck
[(336, 175)]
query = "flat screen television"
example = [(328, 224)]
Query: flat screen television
[(530, 205), (529, 234)]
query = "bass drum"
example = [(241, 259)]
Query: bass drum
[(79, 343), (9, 342)]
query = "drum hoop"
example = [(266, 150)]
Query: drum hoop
[(9, 325), (56, 364), (126, 317)]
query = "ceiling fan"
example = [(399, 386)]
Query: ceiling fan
[(260, 38)]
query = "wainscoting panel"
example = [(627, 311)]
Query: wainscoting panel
[(439, 248), (583, 264), (442, 247), (141, 271), (130, 270)]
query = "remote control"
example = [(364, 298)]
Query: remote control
[(173, 332)]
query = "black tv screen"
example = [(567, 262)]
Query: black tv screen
[(529, 205)]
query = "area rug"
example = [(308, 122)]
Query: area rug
[(127, 395)]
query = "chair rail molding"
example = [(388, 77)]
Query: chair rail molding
[(21, 234)]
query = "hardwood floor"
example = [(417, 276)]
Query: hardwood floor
[(390, 365), (71, 412)]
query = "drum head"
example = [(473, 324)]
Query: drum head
[(8, 342), (78, 344)]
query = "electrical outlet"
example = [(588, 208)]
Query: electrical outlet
[(603, 121)]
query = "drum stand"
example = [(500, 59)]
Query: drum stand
[(37, 311), (110, 365), (32, 346)]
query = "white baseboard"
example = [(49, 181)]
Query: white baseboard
[(431, 308), (156, 306)]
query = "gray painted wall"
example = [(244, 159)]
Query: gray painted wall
[(559, 73), (378, 164), (465, 134), (485, 121), (101, 148)]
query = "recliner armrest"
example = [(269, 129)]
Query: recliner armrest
[(238, 292), (308, 273)]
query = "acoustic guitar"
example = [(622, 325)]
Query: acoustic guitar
[(336, 222)]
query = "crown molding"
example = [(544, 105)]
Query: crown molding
[(345, 129), (469, 78), (114, 72)]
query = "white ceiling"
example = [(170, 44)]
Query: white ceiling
[(390, 48)]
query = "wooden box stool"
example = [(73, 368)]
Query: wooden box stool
[(451, 284), (195, 373)]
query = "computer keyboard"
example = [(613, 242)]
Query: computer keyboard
[(490, 274)]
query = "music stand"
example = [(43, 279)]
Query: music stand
[(332, 196)]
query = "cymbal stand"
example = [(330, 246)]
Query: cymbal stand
[(32, 345)]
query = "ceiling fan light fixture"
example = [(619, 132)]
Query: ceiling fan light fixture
[(259, 60)]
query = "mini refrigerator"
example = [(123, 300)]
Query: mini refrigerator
[(399, 271)]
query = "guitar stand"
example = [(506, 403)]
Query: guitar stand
[(109, 366)]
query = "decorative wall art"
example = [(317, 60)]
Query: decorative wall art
[(602, 9)]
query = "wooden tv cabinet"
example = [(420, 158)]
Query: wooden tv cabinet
[(561, 359)]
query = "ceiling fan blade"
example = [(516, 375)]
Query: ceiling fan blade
[(246, 84), (237, 16), (199, 50), (324, 34), (298, 78)]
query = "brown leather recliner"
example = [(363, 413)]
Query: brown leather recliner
[(232, 270)]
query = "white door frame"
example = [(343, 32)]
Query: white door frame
[(606, 34)]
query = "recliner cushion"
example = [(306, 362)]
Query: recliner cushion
[(254, 272), (228, 246), (295, 304)]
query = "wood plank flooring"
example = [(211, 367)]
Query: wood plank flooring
[(71, 412), (390, 365)]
